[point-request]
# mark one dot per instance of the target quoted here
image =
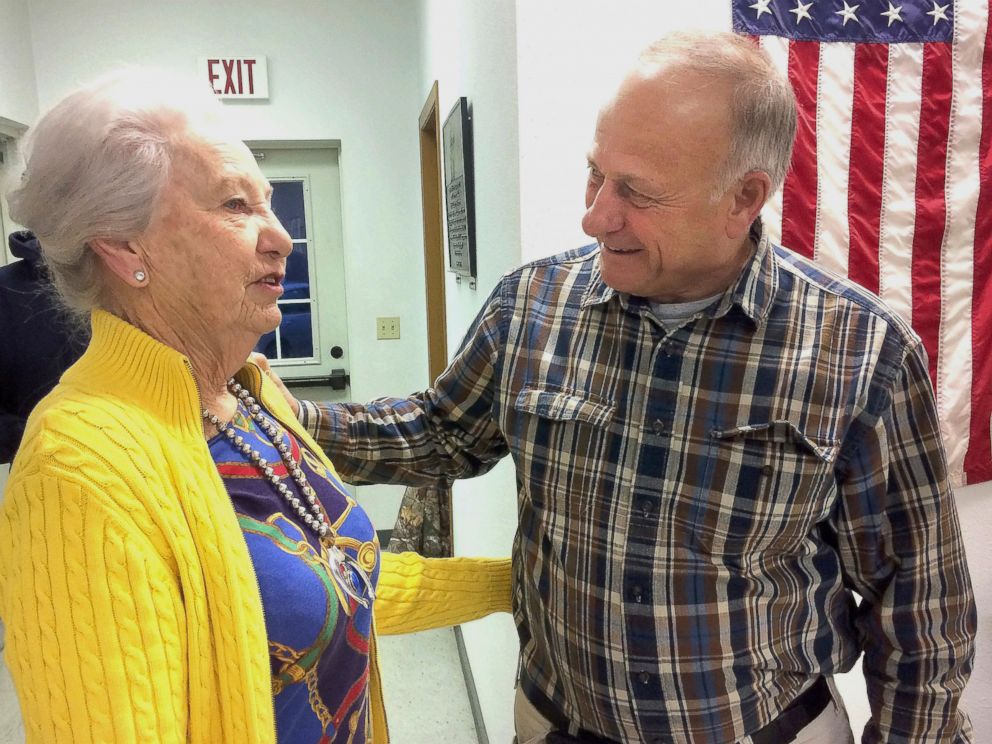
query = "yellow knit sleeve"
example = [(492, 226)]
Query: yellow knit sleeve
[(94, 633), (417, 593)]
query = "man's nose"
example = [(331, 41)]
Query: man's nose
[(604, 213)]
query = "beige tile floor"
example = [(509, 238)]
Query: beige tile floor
[(11, 730), (426, 700), (423, 684)]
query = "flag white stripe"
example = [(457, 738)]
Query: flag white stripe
[(834, 100), (898, 219), (954, 363)]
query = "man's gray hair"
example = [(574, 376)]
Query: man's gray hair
[(95, 166), (763, 108)]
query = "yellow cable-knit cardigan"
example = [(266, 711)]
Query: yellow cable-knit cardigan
[(131, 606)]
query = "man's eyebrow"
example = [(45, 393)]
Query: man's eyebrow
[(638, 183)]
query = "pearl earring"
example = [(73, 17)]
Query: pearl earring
[(139, 275)]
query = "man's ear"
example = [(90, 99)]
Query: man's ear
[(121, 259), (747, 199)]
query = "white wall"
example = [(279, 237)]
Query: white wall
[(18, 97), (976, 524), (566, 71), (338, 69), (469, 47)]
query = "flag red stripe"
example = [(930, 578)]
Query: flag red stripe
[(978, 460), (931, 210), (864, 193), (799, 193)]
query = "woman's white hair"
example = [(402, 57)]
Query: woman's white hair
[(95, 166), (763, 107)]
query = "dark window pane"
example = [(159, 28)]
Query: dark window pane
[(287, 203), (297, 283), (267, 345), (296, 331)]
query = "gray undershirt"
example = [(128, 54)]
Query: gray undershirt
[(675, 314)]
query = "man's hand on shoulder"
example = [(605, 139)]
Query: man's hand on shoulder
[(263, 363)]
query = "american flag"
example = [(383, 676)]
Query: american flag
[(890, 182)]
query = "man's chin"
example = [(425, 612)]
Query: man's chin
[(623, 283)]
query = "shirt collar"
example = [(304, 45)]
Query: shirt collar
[(753, 291), (597, 291), (756, 286)]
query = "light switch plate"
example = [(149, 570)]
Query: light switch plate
[(387, 328)]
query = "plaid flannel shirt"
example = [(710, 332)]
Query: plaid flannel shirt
[(695, 506)]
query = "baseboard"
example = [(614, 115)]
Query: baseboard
[(473, 695)]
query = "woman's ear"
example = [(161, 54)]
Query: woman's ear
[(121, 259), (749, 196)]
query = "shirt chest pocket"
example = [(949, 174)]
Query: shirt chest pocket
[(563, 437), (765, 486)]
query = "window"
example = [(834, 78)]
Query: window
[(295, 338)]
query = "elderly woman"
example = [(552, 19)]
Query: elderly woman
[(179, 561)]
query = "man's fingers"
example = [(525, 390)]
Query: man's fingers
[(262, 361), (263, 364)]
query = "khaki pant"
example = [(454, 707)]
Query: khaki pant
[(830, 727)]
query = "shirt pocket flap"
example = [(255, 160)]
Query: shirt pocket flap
[(783, 432), (561, 406)]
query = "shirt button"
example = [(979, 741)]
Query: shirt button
[(659, 427), (767, 470), (647, 507), (637, 593), (643, 678)]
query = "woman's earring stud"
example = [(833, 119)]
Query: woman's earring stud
[(139, 275)]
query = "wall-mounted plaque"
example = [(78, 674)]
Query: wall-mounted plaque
[(459, 189)]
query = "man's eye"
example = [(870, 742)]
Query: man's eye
[(238, 204), (635, 198)]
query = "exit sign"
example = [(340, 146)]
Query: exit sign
[(236, 77)]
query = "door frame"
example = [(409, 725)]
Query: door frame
[(434, 263), (434, 260), (10, 134)]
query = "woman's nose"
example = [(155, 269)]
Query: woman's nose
[(275, 238)]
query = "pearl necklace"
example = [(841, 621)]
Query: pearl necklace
[(311, 513), (343, 566)]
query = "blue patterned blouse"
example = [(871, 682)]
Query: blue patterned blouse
[(318, 636)]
